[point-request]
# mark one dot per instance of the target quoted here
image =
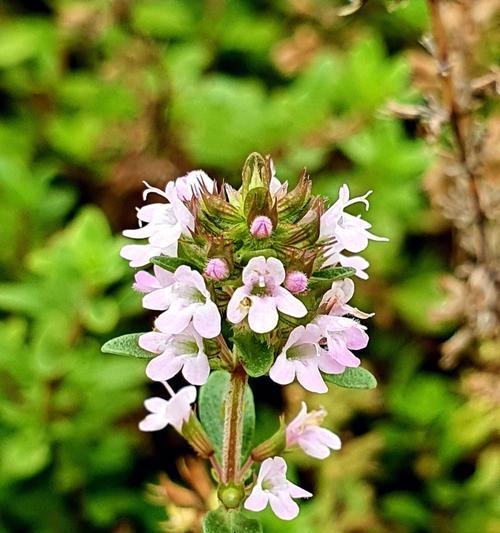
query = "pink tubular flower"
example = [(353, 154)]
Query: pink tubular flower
[(273, 488), (183, 351), (165, 223), (336, 298), (185, 298), (349, 232), (342, 335), (304, 431), (300, 358), (174, 411), (262, 296)]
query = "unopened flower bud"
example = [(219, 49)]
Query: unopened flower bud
[(261, 227), (231, 495), (296, 282), (217, 269)]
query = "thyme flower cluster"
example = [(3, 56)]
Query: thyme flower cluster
[(251, 282)]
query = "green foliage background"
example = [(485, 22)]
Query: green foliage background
[(97, 95)]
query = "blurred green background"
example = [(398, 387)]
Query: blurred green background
[(98, 95)]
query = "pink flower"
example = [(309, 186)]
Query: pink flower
[(348, 232), (174, 411), (336, 298), (192, 184), (217, 269), (262, 296), (183, 351), (304, 431), (185, 298), (165, 223), (273, 488), (261, 227), (296, 282), (300, 358), (341, 335)]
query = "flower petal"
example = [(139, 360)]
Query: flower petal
[(164, 367), (206, 320), (309, 376), (236, 312), (174, 320), (196, 369), (157, 300), (152, 423), (282, 371), (155, 404), (283, 506), (262, 315), (288, 304), (257, 500)]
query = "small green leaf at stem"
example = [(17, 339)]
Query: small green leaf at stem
[(331, 274), (222, 521), (171, 263), (352, 378), (127, 345), (255, 354), (211, 411)]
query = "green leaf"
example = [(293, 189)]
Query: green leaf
[(171, 263), (211, 406), (255, 355), (353, 378), (221, 521), (127, 345), (331, 274)]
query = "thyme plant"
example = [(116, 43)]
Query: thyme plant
[(247, 283)]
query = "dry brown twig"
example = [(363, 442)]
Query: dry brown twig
[(461, 186)]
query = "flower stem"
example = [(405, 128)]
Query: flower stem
[(233, 425)]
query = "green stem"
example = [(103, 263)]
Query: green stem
[(233, 425)]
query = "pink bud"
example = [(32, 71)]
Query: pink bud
[(217, 269), (296, 282), (261, 227)]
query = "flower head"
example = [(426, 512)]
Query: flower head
[(164, 412), (262, 296), (182, 351), (305, 431), (274, 489), (300, 358)]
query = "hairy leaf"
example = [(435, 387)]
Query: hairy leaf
[(353, 378), (222, 521), (127, 345), (255, 355)]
